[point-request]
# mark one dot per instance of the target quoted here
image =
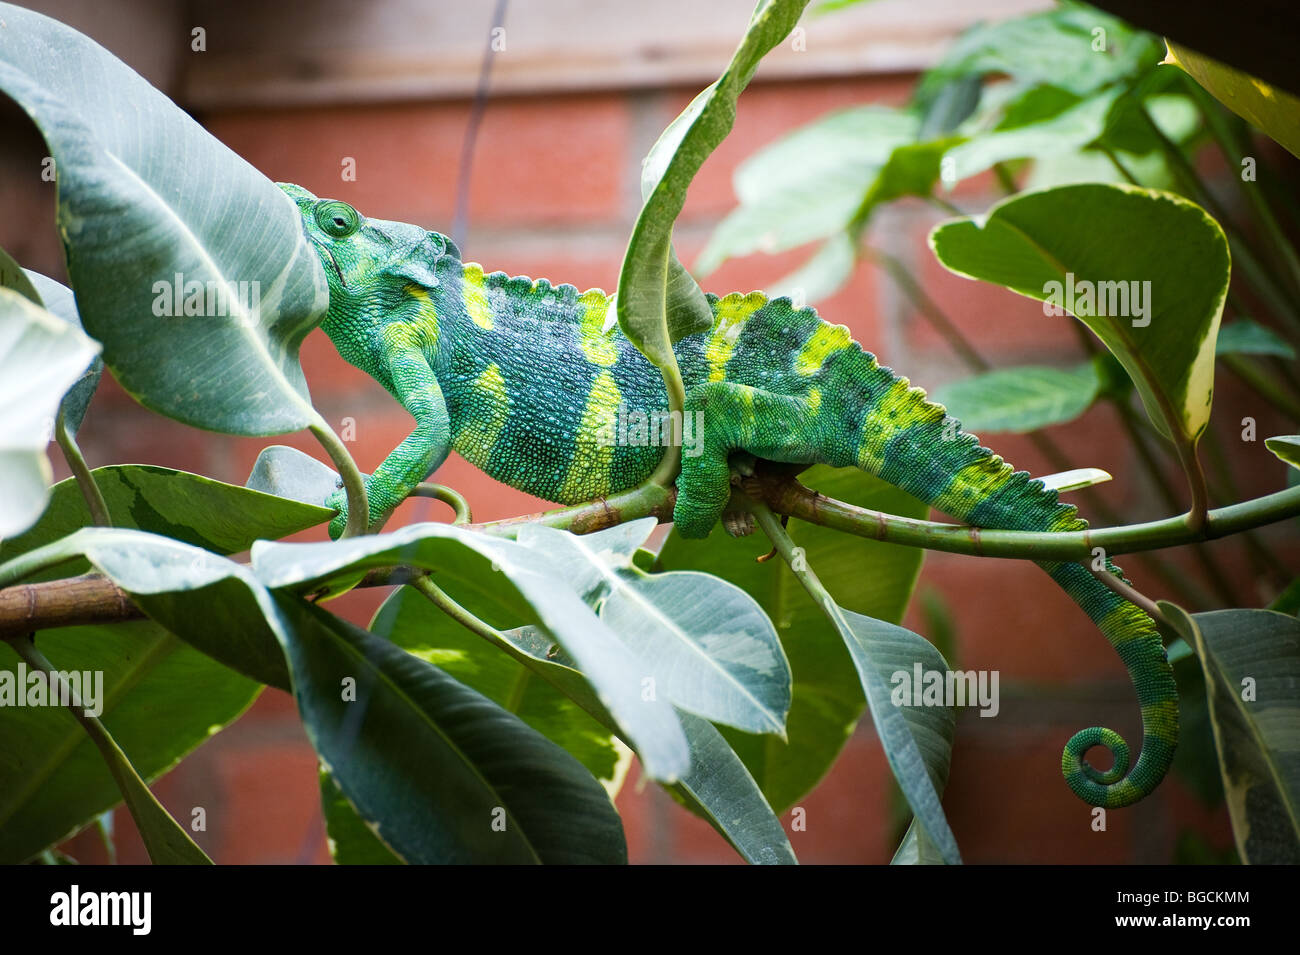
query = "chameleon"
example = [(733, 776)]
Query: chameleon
[(521, 378)]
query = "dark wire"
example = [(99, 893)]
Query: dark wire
[(460, 220)]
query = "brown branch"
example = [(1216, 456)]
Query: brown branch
[(93, 599)]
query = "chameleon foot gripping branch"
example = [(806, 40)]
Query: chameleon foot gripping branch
[(526, 382)]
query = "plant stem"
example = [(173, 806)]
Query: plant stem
[(95, 502), (795, 500), (448, 496), (358, 508), (1005, 179), (670, 465), (95, 599), (1151, 464), (1128, 592), (945, 205)]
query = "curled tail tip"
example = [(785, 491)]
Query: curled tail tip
[(1118, 786)]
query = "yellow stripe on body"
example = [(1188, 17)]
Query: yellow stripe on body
[(479, 435), (731, 315), (898, 409), (824, 342), (599, 347), (475, 294), (589, 474)]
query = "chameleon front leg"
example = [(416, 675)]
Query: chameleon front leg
[(419, 455)]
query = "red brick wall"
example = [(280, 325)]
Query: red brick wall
[(554, 193)]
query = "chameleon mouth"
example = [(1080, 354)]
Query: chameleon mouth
[(333, 262)]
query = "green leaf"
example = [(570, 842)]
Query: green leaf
[(1075, 479), (289, 473), (1286, 447), (808, 185), (146, 194), (1251, 659), (1054, 47), (1244, 337), (1288, 601), (413, 623), (525, 578), (212, 603), (351, 841), (1023, 137), (1020, 399), (14, 276), (161, 699), (955, 102), (60, 302), (164, 839), (441, 773), (688, 141), (717, 785), (41, 357), (1044, 244), (720, 788), (1273, 110), (917, 739), (864, 575), (912, 170), (705, 643), (190, 508)]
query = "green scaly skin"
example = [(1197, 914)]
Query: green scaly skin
[(522, 379)]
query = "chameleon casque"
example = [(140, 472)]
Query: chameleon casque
[(518, 376)]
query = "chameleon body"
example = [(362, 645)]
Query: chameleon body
[(520, 377)]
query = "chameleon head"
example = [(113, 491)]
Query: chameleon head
[(357, 252)]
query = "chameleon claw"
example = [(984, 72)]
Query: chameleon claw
[(738, 523), (785, 520)]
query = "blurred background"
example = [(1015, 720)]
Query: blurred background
[(375, 103)]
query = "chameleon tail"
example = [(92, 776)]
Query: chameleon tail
[(896, 434)]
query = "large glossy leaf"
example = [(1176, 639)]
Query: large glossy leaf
[(441, 773), (643, 281), (41, 357), (717, 785), (1020, 399), (212, 603), (1251, 659), (866, 576), (917, 739), (161, 699), (1045, 245), (650, 725), (1273, 110), (351, 841), (411, 622), (190, 508), (708, 645), (154, 212)]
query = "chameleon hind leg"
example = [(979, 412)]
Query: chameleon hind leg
[(418, 456), (732, 418)]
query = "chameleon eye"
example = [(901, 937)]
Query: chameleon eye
[(337, 219)]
